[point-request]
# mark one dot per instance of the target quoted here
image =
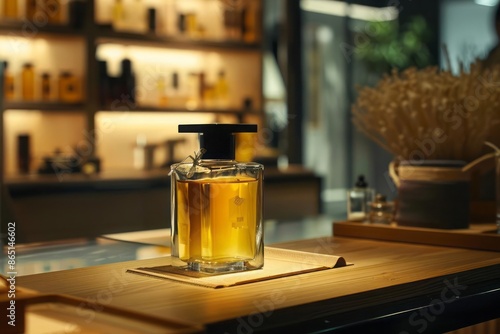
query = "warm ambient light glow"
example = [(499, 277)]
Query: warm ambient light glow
[(154, 59), (359, 12), (117, 134)]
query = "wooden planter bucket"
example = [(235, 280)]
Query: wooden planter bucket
[(437, 193)]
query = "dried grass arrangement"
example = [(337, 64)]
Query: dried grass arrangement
[(431, 114)]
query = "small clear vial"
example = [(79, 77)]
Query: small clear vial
[(381, 211), (358, 200)]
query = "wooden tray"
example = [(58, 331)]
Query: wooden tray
[(477, 236)]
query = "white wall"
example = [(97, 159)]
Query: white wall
[(467, 29)]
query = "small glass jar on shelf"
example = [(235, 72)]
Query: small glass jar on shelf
[(69, 87), (381, 211)]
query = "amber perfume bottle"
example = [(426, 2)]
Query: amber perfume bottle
[(217, 204), (10, 9), (28, 82), (8, 82)]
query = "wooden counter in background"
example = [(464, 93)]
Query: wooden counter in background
[(74, 206), (390, 288)]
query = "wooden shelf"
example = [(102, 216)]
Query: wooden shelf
[(150, 39), (146, 108), (45, 106), (29, 29)]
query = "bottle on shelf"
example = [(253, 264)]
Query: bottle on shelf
[(10, 9), (202, 85), (232, 23), (76, 13), (358, 200), (222, 90), (28, 82), (53, 10), (118, 15), (8, 82), (69, 87), (221, 230), (249, 22), (135, 17), (176, 97), (127, 81), (209, 96), (23, 153), (152, 21), (192, 25), (193, 89), (31, 9), (161, 86), (46, 90), (181, 23), (104, 83)]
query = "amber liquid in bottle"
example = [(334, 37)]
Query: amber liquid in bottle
[(28, 84), (8, 83), (217, 219), (10, 9)]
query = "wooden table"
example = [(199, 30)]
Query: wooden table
[(392, 287)]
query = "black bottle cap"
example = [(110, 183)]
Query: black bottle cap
[(217, 139), (361, 183)]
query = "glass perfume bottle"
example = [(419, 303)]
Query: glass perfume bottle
[(358, 200), (381, 211), (217, 204)]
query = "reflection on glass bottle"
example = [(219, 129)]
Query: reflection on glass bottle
[(28, 82), (217, 204), (8, 82)]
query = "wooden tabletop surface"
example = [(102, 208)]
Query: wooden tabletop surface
[(386, 277)]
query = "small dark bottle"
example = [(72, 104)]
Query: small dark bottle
[(152, 20), (46, 91), (23, 153)]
